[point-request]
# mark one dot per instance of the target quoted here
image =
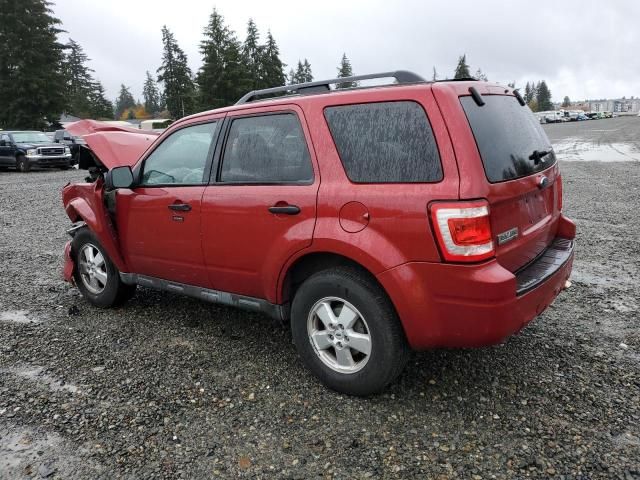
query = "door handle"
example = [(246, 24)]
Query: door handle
[(180, 207), (285, 209)]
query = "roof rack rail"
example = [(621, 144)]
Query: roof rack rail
[(401, 76)]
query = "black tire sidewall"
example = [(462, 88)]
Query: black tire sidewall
[(109, 296), (22, 165), (388, 350)]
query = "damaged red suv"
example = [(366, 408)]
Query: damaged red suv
[(375, 220)]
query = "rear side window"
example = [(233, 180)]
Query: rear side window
[(266, 149), (508, 136), (386, 142)]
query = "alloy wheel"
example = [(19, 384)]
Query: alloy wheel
[(92, 268)]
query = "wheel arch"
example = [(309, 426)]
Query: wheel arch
[(312, 262)]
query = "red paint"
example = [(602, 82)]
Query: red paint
[(230, 241)]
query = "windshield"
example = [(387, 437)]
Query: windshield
[(511, 141), (30, 137)]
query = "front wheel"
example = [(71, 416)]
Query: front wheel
[(347, 332), (22, 164), (95, 274)]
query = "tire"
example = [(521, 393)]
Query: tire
[(101, 286), (22, 165), (333, 355)]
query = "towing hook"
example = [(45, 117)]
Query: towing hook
[(71, 231)]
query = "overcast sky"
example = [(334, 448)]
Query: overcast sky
[(582, 48)]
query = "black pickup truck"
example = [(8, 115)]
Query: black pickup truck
[(25, 149)]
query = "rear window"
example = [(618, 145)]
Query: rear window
[(507, 135), (386, 142)]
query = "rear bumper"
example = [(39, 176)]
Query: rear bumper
[(447, 305)]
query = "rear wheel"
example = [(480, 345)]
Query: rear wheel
[(95, 274), (347, 331), (22, 165)]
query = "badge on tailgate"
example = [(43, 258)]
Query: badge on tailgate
[(507, 236)]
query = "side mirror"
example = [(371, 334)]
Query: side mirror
[(118, 177)]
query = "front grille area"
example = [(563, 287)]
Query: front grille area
[(51, 151), (551, 260)]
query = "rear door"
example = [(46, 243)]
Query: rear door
[(514, 168), (260, 208), (6, 157)]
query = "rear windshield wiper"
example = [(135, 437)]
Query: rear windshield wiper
[(538, 155)]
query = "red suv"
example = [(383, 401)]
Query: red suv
[(375, 219)]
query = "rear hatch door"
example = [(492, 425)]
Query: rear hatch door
[(514, 167)]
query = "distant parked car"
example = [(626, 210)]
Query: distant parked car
[(24, 150), (71, 141), (582, 117), (608, 114)]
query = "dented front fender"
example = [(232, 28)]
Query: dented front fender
[(85, 202)]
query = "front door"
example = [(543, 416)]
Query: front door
[(262, 207), (159, 220)]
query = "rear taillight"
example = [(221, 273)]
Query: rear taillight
[(463, 230), (559, 190)]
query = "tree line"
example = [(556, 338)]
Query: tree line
[(38, 84)]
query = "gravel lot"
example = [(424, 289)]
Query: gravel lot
[(169, 387)]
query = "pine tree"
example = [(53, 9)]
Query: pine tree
[(291, 78), (299, 76), (124, 101), (435, 74), (151, 95), (224, 75), (252, 56), (32, 83), (306, 71), (345, 70), (480, 76), (101, 107), (566, 102), (79, 80), (529, 92), (175, 74), (272, 67), (462, 69), (543, 97)]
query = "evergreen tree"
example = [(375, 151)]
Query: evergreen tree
[(291, 78), (79, 80), (175, 74), (543, 97), (480, 76), (224, 76), (124, 101), (529, 92), (306, 71), (462, 69), (345, 70), (151, 95), (272, 67), (32, 83), (101, 107), (252, 56), (435, 74), (300, 75), (566, 102)]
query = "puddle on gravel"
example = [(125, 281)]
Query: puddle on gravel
[(27, 453), (35, 374), (18, 316), (573, 149)]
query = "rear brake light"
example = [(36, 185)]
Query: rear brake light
[(463, 230)]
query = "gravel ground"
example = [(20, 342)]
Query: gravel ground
[(168, 387)]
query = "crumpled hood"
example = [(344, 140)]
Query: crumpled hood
[(113, 145)]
